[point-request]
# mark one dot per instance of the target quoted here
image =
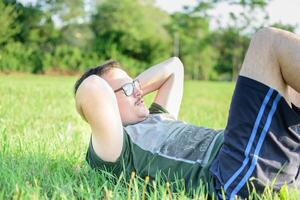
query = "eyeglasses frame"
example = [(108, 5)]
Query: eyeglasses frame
[(132, 84)]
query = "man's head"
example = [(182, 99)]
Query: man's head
[(128, 94)]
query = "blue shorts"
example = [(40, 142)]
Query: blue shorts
[(261, 142)]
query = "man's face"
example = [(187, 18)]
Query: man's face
[(132, 108)]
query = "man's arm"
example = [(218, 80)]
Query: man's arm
[(97, 104), (166, 77)]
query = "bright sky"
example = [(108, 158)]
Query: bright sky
[(285, 11)]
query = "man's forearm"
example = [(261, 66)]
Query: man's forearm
[(154, 77)]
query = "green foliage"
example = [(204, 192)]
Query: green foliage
[(133, 28), (65, 58), (77, 35), (7, 18), (133, 32), (194, 49), (251, 3), (67, 11), (15, 56), (232, 48), (287, 27), (32, 23)]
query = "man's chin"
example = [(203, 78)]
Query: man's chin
[(143, 113), (141, 117), (146, 112)]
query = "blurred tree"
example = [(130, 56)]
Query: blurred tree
[(287, 27), (29, 19), (248, 3), (70, 35), (233, 39), (232, 46), (8, 26), (190, 30), (133, 28), (65, 11), (79, 35)]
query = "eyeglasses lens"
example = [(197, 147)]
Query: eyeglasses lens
[(128, 89)]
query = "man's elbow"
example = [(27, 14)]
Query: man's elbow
[(178, 65), (177, 60)]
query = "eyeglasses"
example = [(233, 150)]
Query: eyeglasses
[(128, 88)]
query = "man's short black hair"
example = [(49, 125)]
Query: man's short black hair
[(99, 70)]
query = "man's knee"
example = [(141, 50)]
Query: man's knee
[(264, 38), (270, 38), (261, 53)]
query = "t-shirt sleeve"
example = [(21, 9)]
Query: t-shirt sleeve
[(157, 109), (125, 159), (113, 167)]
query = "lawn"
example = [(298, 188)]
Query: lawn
[(43, 141)]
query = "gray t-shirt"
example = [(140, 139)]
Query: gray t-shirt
[(163, 144)]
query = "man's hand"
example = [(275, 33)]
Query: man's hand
[(166, 77)]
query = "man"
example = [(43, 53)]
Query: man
[(261, 141)]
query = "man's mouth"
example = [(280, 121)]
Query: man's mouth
[(138, 102)]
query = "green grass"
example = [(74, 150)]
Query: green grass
[(43, 141)]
